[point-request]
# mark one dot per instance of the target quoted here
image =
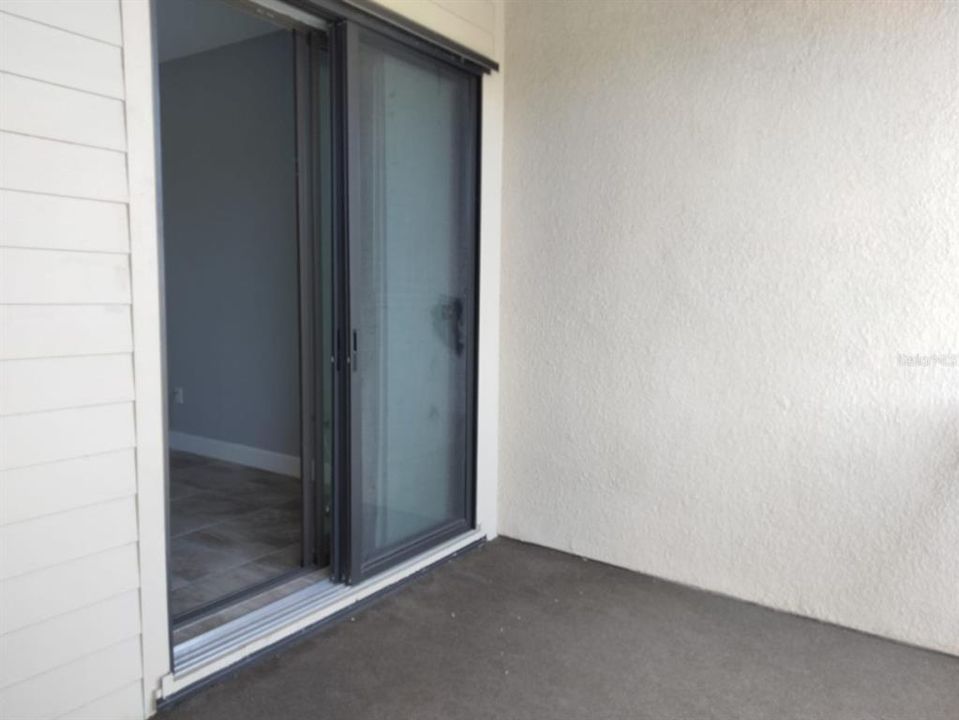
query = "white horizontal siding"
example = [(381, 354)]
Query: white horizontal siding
[(58, 168), (42, 647), (31, 220), (70, 605), (49, 592), (97, 19), (59, 57), (62, 277), (32, 107), (34, 331), (123, 704), (52, 539), (46, 437), (57, 692), (58, 383), (37, 490)]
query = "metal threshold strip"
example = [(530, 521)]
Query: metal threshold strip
[(206, 655), (196, 652)]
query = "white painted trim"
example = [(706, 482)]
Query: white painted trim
[(236, 453), (487, 397), (331, 605), (141, 88)]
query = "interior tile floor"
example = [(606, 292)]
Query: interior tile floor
[(515, 631), (232, 527)]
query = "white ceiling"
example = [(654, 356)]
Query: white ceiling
[(186, 27)]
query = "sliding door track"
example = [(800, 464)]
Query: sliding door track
[(206, 657), (198, 651)]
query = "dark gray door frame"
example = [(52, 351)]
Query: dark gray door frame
[(351, 566)]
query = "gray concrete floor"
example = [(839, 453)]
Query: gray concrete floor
[(519, 632)]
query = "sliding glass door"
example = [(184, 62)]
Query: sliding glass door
[(412, 239), (320, 204)]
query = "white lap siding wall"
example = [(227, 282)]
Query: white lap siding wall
[(70, 604)]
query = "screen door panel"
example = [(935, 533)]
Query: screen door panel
[(412, 240)]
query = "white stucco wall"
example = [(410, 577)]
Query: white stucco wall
[(723, 222)]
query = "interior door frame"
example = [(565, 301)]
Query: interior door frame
[(307, 240)]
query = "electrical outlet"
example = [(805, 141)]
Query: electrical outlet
[(178, 396)]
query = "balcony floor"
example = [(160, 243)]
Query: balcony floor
[(519, 632)]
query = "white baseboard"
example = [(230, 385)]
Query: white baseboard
[(232, 452)]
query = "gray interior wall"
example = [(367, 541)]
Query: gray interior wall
[(229, 205)]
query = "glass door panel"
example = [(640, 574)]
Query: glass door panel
[(412, 258)]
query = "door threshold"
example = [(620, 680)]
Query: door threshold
[(246, 602), (206, 656)]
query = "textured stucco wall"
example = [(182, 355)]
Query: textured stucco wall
[(723, 222)]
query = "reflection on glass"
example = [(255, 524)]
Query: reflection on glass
[(412, 271)]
